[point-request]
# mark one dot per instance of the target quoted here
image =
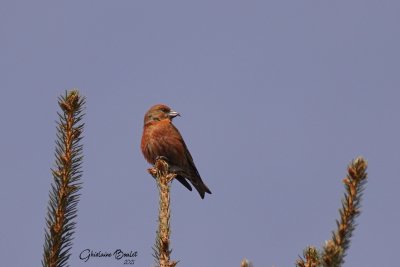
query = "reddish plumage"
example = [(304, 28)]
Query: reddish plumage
[(162, 139)]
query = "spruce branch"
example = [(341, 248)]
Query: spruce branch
[(335, 249), (64, 197), (162, 252), (311, 258)]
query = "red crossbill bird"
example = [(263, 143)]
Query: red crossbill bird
[(161, 139)]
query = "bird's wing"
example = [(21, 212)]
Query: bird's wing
[(187, 160), (183, 181)]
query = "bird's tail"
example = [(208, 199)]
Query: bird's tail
[(200, 187)]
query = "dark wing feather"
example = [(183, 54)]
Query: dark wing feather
[(191, 172), (184, 182)]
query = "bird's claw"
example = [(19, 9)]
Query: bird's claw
[(153, 172), (161, 158)]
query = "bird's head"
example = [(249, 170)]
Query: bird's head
[(159, 112)]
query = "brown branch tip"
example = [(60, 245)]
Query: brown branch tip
[(163, 177)]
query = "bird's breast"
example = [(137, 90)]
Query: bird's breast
[(153, 144), (162, 139)]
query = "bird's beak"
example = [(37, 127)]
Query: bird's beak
[(173, 114)]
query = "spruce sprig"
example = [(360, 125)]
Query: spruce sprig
[(64, 197), (162, 250), (334, 250), (310, 258)]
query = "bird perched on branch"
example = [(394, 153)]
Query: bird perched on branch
[(161, 139)]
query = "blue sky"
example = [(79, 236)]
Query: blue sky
[(276, 99)]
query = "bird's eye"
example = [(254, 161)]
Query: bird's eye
[(153, 118)]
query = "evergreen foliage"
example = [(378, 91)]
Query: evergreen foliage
[(64, 197)]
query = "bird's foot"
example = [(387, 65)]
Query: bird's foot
[(153, 172), (161, 158), (161, 164)]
